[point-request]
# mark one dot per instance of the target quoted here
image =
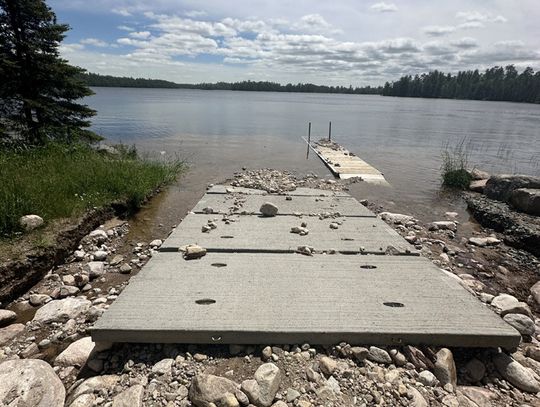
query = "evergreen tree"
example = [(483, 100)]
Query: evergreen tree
[(38, 90)]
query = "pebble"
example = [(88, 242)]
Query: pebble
[(7, 317), (268, 209)]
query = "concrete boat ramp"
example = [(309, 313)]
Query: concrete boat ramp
[(364, 284)]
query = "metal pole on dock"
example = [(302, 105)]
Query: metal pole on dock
[(329, 131), (308, 140)]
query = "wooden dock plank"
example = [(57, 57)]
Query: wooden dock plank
[(277, 298)]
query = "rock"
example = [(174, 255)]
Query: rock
[(251, 389), (395, 218), (417, 400), (360, 353), (292, 395), (535, 292), (480, 396), (241, 397), (156, 243), (533, 352), (78, 352), (268, 377), (484, 241), (477, 174), (398, 358), (7, 317), (132, 397), (500, 187), (194, 251), (68, 290), (280, 404), (30, 382), (84, 400), (475, 370), (526, 200), (30, 222), (228, 400), (62, 310), (427, 378), (38, 299), (504, 301), (445, 368), (327, 365), (521, 322), (379, 355), (515, 373), (93, 385), (125, 268), (268, 209), (478, 186), (100, 255), (443, 225), (79, 255), (206, 389), (116, 260), (95, 269), (519, 308), (98, 236), (163, 367), (10, 332), (266, 353)]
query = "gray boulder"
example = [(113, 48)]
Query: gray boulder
[(206, 389), (10, 332), (62, 310), (521, 322), (515, 373), (269, 209), (526, 200), (500, 187), (30, 382)]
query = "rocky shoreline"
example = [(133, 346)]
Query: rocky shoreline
[(44, 335)]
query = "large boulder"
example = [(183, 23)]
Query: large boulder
[(207, 389), (30, 382), (526, 200), (500, 187), (517, 374), (62, 310), (79, 351)]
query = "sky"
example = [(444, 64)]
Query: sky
[(332, 42)]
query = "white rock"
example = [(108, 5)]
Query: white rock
[(30, 382), (31, 222), (206, 389), (100, 255), (156, 243), (78, 352), (99, 236), (396, 218), (85, 400), (427, 378), (163, 367), (79, 255), (38, 299), (95, 269), (504, 301), (484, 241), (62, 310), (268, 377), (93, 385), (327, 365), (443, 225), (132, 397), (7, 317), (268, 209)]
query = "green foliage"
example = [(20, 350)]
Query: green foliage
[(114, 81), (496, 83), (38, 90), (61, 181), (454, 167)]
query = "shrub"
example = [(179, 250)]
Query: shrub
[(454, 167)]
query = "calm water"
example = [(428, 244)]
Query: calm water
[(220, 132)]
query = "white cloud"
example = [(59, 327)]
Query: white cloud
[(471, 25), (465, 43), (141, 35), (383, 7), (438, 30), (125, 28), (476, 16), (94, 42), (195, 13), (121, 11)]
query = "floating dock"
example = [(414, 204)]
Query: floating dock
[(252, 287), (345, 164)]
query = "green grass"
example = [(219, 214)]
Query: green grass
[(62, 181), (454, 167)]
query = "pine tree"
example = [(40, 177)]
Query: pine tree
[(38, 89)]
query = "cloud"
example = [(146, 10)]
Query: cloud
[(471, 25), (476, 16), (121, 11), (438, 30), (125, 28), (141, 35), (195, 13), (465, 43), (383, 7), (94, 42)]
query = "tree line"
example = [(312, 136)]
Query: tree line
[(497, 83), (92, 79)]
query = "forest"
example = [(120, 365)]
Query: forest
[(497, 83)]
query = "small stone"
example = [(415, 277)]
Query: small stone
[(30, 222), (334, 225), (156, 243), (379, 355), (417, 400), (251, 390), (76, 354), (268, 209), (68, 290), (268, 377), (206, 389), (132, 397), (99, 236), (100, 255), (79, 255), (504, 301), (515, 373), (7, 317), (443, 225), (427, 378), (199, 357), (475, 369), (241, 397), (266, 353), (194, 251), (522, 323), (292, 395), (116, 260), (125, 268), (535, 292), (95, 269), (484, 241), (445, 368), (163, 367), (327, 365)]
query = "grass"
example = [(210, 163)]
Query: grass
[(63, 181), (454, 167)]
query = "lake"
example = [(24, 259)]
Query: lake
[(219, 132)]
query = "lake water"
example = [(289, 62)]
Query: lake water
[(219, 132)]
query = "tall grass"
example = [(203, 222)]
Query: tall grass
[(61, 181), (454, 168)]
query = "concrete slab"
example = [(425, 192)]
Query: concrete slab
[(301, 191), (290, 298), (225, 204), (256, 233)]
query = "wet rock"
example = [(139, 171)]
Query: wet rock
[(445, 368), (379, 355), (478, 186), (522, 323), (30, 222), (268, 377), (7, 317), (206, 389), (62, 310), (131, 397), (327, 365), (427, 378), (30, 382), (526, 200), (10, 332), (475, 370), (500, 187), (515, 373), (268, 209), (193, 252)]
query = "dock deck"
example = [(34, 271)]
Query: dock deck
[(253, 288)]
